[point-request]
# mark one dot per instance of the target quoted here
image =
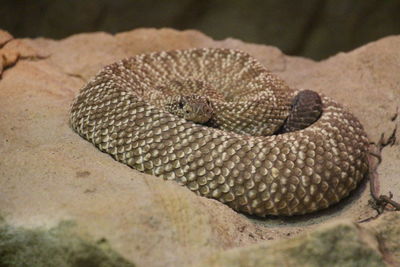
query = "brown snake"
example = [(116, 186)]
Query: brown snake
[(136, 110)]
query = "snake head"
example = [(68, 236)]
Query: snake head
[(193, 108)]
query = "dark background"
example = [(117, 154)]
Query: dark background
[(309, 28)]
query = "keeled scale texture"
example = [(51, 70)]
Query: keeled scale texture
[(119, 111)]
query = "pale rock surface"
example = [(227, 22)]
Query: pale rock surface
[(49, 174)]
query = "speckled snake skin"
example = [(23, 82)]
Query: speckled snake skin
[(236, 159)]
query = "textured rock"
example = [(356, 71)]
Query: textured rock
[(49, 174), (340, 243), (54, 247)]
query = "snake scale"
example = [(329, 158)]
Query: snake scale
[(135, 111)]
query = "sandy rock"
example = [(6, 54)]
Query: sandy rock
[(14, 49), (5, 37), (338, 243), (49, 174)]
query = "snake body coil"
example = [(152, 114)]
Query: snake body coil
[(236, 158)]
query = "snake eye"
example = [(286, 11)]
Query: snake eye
[(181, 104), (188, 109)]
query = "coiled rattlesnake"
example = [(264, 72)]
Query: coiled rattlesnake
[(135, 110)]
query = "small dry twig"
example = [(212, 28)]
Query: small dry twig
[(379, 202)]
